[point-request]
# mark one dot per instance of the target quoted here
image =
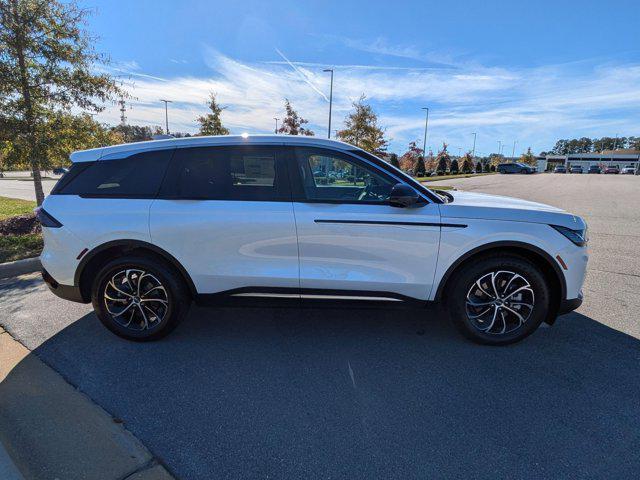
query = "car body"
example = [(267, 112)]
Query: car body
[(218, 219), (594, 169), (611, 169), (60, 170), (560, 169), (628, 170), (576, 169), (515, 168)]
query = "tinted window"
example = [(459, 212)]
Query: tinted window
[(227, 173), (139, 175), (331, 176)]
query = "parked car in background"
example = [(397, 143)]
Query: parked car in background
[(60, 170), (143, 229), (594, 169), (628, 170), (612, 169), (515, 168), (576, 169), (560, 169)]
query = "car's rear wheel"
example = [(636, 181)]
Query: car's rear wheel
[(139, 299), (498, 300)]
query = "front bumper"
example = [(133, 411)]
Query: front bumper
[(67, 292), (570, 305)]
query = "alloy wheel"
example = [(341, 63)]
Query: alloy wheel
[(499, 302), (136, 299)]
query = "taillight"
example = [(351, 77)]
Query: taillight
[(45, 219)]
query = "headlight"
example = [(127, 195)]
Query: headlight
[(579, 237)]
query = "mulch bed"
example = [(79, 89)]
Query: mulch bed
[(20, 225)]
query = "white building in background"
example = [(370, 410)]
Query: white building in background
[(619, 158)]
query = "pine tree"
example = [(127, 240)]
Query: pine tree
[(419, 169), (454, 166), (362, 130), (293, 123), (47, 65), (211, 123), (478, 167), (528, 158), (467, 163), (442, 160), (393, 160)]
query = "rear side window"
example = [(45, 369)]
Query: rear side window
[(228, 173), (137, 176)]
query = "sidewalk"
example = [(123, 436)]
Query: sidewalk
[(51, 430)]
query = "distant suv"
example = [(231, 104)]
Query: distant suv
[(576, 169), (612, 169), (560, 169), (594, 169), (628, 170), (515, 168), (141, 230)]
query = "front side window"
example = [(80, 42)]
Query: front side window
[(227, 173), (335, 177)]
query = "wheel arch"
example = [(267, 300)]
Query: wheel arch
[(535, 254), (97, 256)]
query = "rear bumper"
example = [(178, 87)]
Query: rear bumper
[(67, 292)]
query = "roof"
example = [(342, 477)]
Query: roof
[(127, 149), (614, 155)]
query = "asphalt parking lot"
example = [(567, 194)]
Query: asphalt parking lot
[(365, 393), (22, 188)]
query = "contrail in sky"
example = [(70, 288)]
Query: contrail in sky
[(304, 77)]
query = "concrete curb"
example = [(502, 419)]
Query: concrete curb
[(19, 267), (48, 429)]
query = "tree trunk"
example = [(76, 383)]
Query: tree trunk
[(31, 130), (37, 182)]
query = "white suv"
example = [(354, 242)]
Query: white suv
[(143, 229)]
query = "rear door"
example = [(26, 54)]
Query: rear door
[(225, 213), (351, 240)]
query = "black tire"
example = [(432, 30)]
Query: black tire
[(465, 278), (167, 316)]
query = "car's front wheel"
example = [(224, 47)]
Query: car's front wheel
[(139, 298), (498, 300)]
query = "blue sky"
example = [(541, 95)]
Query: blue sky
[(531, 72)]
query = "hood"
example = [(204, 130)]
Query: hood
[(497, 207)]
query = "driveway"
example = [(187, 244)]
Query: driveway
[(371, 393)]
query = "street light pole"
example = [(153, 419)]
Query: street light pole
[(473, 154), (276, 119), (513, 152), (330, 100), (499, 147), (166, 114), (426, 127)]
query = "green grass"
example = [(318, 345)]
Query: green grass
[(17, 247), (10, 207), (442, 187), (449, 177)]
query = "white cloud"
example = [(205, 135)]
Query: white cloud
[(536, 106)]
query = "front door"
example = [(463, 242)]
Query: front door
[(350, 239)]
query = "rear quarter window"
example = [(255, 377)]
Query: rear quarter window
[(137, 176)]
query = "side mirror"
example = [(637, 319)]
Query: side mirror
[(403, 196)]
